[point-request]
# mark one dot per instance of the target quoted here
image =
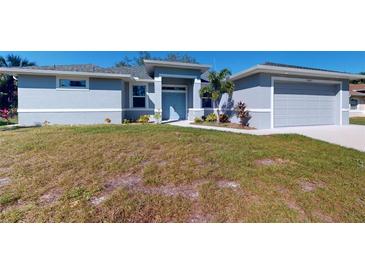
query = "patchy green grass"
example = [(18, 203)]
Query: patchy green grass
[(357, 120), (161, 173), (12, 121)]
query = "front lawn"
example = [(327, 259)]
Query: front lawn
[(162, 173), (357, 120)]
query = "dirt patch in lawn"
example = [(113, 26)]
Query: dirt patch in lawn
[(4, 181), (309, 186), (271, 162), (51, 196), (323, 217), (291, 203), (228, 184), (135, 183)]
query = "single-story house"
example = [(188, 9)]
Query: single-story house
[(276, 95), (357, 100)]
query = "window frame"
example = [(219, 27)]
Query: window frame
[(131, 96), (211, 102), (59, 78)]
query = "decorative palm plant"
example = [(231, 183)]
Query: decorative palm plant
[(219, 84)]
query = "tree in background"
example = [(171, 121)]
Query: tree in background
[(219, 84), (142, 55), (8, 84)]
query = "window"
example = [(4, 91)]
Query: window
[(139, 96), (72, 83), (207, 101), (353, 103)]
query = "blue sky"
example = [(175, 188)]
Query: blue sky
[(349, 61)]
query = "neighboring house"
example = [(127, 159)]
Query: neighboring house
[(357, 100), (276, 95)]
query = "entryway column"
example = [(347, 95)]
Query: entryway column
[(197, 101), (197, 110), (158, 91)]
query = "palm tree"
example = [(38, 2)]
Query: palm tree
[(219, 84), (8, 85)]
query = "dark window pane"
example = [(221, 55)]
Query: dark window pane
[(206, 103), (139, 102), (65, 83), (139, 90)]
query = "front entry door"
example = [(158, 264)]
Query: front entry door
[(173, 106)]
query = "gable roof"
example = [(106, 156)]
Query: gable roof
[(151, 64), (137, 72), (277, 68)]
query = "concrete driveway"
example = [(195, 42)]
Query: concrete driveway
[(351, 136)]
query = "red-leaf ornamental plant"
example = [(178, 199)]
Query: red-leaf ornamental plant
[(242, 114), (5, 114)]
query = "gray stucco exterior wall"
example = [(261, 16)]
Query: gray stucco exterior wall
[(40, 101)]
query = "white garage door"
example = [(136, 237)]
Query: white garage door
[(304, 104)]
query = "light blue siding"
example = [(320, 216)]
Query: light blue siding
[(133, 115), (39, 93), (69, 118)]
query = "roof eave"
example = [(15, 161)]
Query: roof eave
[(295, 71), (23, 71), (157, 63)]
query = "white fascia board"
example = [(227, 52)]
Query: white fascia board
[(24, 71), (156, 63), (295, 71)]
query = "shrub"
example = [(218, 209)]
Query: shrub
[(144, 119), (242, 114), (5, 114), (198, 120), (107, 120), (212, 117), (126, 121), (224, 118), (157, 117)]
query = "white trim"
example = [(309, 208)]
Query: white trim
[(150, 64), (272, 94), (65, 77), (295, 71), (139, 109), (341, 104), (345, 109), (290, 79), (69, 110), (131, 95), (248, 109), (196, 109)]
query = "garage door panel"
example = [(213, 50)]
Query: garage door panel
[(301, 104)]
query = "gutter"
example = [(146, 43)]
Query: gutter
[(295, 71), (24, 71)]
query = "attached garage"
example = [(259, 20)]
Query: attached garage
[(279, 95), (305, 103)]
